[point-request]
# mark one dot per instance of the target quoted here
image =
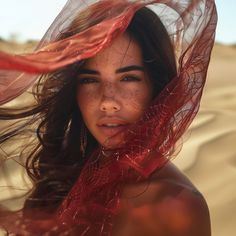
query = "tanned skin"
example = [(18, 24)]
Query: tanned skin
[(166, 205)]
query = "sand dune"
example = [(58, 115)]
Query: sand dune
[(208, 156)]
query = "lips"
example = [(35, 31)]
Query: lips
[(111, 126), (110, 131)]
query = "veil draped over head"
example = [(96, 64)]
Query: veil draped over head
[(94, 199)]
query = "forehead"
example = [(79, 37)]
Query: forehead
[(123, 51)]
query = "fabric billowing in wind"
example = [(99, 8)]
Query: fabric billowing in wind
[(150, 143)]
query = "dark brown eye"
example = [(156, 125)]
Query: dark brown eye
[(87, 80), (130, 78)]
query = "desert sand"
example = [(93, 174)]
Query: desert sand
[(208, 156)]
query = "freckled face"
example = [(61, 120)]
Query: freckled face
[(113, 90)]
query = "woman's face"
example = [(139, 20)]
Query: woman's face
[(113, 90)]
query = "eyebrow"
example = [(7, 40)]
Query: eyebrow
[(118, 71), (130, 68)]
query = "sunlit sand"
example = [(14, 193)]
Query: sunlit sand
[(208, 156)]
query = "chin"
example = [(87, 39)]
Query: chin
[(111, 143)]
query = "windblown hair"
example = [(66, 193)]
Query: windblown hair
[(56, 161)]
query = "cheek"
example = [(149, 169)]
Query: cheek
[(87, 103), (137, 101)]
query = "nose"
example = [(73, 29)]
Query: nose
[(109, 102)]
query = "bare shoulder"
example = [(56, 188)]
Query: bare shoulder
[(185, 206), (168, 204)]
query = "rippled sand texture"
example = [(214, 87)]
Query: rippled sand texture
[(209, 154)]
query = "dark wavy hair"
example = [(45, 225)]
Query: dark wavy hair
[(56, 161)]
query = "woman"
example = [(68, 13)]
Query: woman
[(108, 120)]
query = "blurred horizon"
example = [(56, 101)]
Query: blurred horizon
[(16, 38)]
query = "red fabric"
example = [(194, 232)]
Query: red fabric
[(95, 197), (55, 54)]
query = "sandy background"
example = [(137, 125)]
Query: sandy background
[(208, 156)]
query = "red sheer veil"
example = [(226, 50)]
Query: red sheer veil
[(151, 142)]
